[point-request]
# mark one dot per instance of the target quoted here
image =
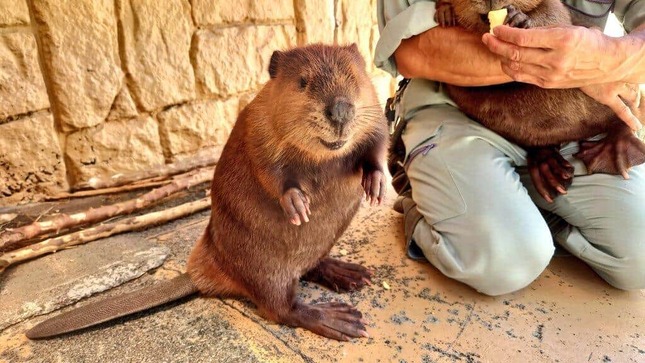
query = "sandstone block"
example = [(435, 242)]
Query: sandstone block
[(22, 88), (31, 160), (157, 37), (245, 99), (354, 22), (123, 106), (79, 42), (208, 12), (14, 12), (315, 21), (233, 60), (262, 10), (114, 147), (224, 63), (190, 127), (268, 40)]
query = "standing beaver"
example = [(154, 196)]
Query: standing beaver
[(541, 119), (309, 145)]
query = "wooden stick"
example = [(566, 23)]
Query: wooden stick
[(60, 222), (112, 190), (101, 231), (7, 217), (208, 157)]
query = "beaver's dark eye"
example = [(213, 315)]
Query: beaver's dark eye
[(303, 82)]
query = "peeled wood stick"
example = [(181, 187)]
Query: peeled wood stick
[(112, 190), (206, 159), (60, 222), (100, 231)]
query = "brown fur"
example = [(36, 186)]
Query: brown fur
[(316, 132), (529, 115), (249, 247)]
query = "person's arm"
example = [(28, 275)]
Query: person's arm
[(452, 55), (411, 44)]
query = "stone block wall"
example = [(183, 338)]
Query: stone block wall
[(101, 87)]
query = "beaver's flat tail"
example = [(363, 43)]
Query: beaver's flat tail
[(114, 307)]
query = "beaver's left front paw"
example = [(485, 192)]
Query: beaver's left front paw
[(516, 18), (374, 186), (295, 205)]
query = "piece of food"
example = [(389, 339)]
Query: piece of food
[(496, 17)]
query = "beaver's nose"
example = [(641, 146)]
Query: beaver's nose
[(340, 110)]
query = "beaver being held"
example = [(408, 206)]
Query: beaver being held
[(542, 119), (308, 147)]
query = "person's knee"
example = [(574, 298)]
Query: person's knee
[(517, 266), (629, 272)]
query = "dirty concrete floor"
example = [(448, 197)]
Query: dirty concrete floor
[(567, 315)]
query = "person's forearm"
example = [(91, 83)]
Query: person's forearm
[(450, 55), (633, 46)]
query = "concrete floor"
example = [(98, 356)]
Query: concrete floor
[(567, 315)]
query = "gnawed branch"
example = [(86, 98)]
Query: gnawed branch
[(103, 191), (208, 157), (101, 231), (14, 236)]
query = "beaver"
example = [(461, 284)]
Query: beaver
[(542, 119), (309, 146)]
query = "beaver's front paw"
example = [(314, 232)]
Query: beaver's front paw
[(550, 172), (295, 205), (516, 18), (444, 15), (374, 186)]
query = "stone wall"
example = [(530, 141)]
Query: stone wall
[(100, 87)]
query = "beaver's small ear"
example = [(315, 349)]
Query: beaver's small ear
[(354, 48), (274, 63), (357, 54)]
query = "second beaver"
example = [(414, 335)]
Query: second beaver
[(308, 147), (541, 119)]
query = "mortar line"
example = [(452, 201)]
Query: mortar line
[(61, 136)]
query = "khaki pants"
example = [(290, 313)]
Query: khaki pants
[(482, 225)]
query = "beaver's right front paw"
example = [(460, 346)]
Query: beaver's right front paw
[(444, 15), (516, 18), (295, 205)]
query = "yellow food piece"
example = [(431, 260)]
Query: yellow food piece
[(386, 286), (496, 17)]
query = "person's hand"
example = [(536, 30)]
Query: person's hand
[(554, 57), (566, 57), (623, 98)]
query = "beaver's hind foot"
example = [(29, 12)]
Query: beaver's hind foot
[(615, 154), (338, 275), (334, 320)]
